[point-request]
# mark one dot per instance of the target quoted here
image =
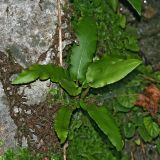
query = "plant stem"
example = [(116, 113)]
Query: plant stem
[(65, 151), (60, 32), (151, 79), (83, 95)]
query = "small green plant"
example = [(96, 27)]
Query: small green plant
[(138, 127), (86, 70)]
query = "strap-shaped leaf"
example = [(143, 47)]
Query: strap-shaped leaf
[(113, 4), (26, 77), (58, 73), (105, 122), (137, 5), (109, 70), (82, 54), (70, 87), (49, 71), (61, 124), (30, 74), (43, 72)]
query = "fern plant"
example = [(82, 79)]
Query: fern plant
[(85, 71)]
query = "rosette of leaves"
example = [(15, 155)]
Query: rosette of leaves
[(83, 74)]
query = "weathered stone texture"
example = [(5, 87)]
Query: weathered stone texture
[(27, 28), (7, 126)]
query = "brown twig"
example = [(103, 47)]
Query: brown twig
[(143, 150), (60, 32), (65, 151), (60, 36), (84, 94), (151, 79), (132, 156), (61, 60)]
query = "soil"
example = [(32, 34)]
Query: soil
[(34, 123)]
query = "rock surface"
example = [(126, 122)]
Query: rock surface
[(27, 30), (7, 126)]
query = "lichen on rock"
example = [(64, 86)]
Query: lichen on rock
[(27, 28)]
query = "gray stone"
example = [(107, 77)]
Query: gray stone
[(24, 142), (36, 93), (27, 31), (7, 126), (27, 28)]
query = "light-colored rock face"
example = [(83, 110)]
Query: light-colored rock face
[(27, 28), (7, 126), (27, 31), (36, 93)]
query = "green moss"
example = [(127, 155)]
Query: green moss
[(87, 142), (88, 145), (25, 154), (113, 37)]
